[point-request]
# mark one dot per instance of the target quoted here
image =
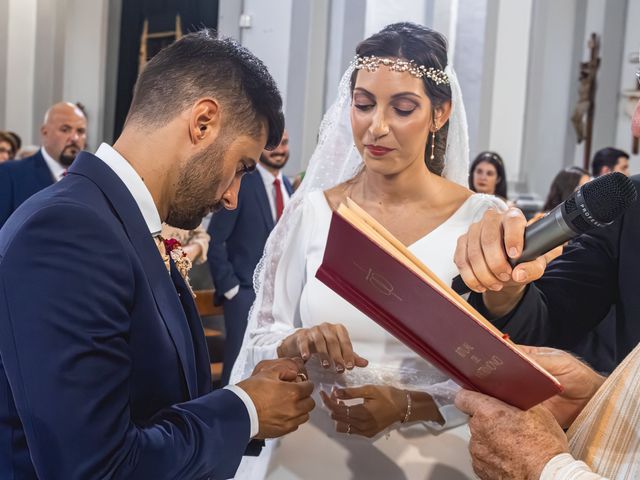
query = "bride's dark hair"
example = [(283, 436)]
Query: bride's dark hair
[(425, 47)]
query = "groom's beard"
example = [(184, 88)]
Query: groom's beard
[(198, 184)]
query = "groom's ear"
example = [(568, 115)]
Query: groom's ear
[(205, 120), (442, 114)]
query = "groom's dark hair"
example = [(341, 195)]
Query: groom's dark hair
[(202, 65)]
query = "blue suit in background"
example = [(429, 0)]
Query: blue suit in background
[(237, 241), (19, 179), (104, 368)]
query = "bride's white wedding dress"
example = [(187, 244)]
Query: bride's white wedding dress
[(316, 451)]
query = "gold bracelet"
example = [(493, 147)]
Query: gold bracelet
[(408, 412)]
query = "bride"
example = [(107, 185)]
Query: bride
[(396, 143)]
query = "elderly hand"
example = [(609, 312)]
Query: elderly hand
[(329, 341), (509, 443), (579, 381), (482, 257)]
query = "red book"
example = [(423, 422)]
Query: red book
[(376, 273)]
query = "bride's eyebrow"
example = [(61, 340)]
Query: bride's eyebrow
[(364, 91), (406, 94)]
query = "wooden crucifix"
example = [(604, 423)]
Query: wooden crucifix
[(584, 111)]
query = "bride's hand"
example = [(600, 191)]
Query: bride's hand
[(329, 341), (383, 406)]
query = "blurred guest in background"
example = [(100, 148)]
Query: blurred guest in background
[(239, 237), (487, 175), (564, 184), (609, 160), (8, 146), (63, 136)]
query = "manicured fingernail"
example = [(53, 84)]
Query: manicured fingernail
[(496, 287), (513, 252), (339, 368), (349, 365), (325, 363), (305, 356), (505, 277), (521, 276)]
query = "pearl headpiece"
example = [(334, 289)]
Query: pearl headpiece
[(372, 63)]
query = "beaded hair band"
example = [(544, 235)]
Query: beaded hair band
[(371, 64)]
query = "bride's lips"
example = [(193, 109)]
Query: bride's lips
[(377, 150)]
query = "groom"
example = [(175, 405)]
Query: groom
[(104, 368)]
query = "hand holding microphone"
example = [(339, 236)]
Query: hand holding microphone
[(501, 255)]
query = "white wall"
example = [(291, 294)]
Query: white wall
[(56, 50), (270, 35), (380, 13), (510, 83), (85, 53), (20, 67)]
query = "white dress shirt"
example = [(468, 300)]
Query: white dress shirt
[(144, 200), (56, 169)]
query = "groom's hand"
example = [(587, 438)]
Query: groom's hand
[(281, 394)]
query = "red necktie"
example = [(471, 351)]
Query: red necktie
[(279, 199)]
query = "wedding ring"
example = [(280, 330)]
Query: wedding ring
[(302, 376), (348, 429)]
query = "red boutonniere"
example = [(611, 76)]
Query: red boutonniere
[(174, 249)]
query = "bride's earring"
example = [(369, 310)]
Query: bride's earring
[(433, 144)]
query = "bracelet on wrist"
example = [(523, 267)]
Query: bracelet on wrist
[(407, 413)]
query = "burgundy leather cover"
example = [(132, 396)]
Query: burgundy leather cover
[(426, 321)]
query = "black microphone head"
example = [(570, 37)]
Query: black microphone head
[(599, 202)]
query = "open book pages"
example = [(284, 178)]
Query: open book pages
[(371, 228)]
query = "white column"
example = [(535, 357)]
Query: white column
[(510, 83), (21, 41), (85, 54), (380, 13), (269, 36)]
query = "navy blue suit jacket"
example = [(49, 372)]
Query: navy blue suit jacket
[(596, 271), (105, 370), (238, 236), (19, 179)]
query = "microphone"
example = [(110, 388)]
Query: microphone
[(596, 204)]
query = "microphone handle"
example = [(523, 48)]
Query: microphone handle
[(546, 234)]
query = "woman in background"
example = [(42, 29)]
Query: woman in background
[(487, 175), (566, 182), (8, 146)]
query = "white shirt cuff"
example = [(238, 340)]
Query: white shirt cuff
[(251, 408), (232, 293), (565, 467)]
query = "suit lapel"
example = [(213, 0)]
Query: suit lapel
[(287, 185), (163, 290), (43, 176), (203, 370)]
